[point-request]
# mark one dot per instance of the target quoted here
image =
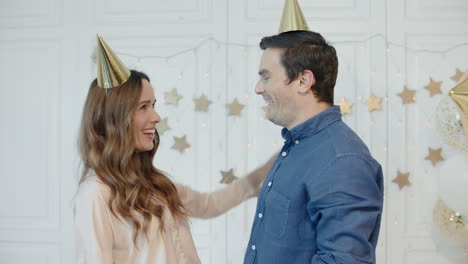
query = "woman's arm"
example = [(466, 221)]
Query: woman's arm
[(93, 227), (206, 205)]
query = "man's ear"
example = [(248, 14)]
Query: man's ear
[(306, 81)]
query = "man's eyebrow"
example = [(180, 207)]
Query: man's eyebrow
[(263, 72)]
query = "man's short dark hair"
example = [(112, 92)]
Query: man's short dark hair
[(307, 50)]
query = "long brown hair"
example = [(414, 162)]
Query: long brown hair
[(107, 146)]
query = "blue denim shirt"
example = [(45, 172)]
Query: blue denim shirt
[(322, 199)]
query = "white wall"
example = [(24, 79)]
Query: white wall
[(46, 67)]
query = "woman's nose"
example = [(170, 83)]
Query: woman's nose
[(155, 118)]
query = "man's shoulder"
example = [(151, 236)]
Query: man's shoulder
[(344, 140)]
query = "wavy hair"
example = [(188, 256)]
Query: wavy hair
[(106, 144)]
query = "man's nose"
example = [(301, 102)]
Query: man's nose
[(259, 88)]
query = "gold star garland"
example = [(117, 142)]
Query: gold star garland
[(345, 106), (202, 103), (434, 156), (228, 176), (402, 179), (265, 110), (374, 103), (407, 96), (172, 97), (181, 144), (235, 107), (163, 126), (457, 76), (433, 87)]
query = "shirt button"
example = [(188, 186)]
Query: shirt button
[(297, 142), (260, 215), (269, 184), (253, 247), (284, 154)]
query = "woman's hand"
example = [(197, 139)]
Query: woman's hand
[(257, 176)]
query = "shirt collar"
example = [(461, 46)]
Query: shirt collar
[(312, 125)]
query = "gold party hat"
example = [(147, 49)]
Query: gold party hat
[(111, 71), (459, 95), (292, 18)]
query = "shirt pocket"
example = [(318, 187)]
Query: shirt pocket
[(276, 214)]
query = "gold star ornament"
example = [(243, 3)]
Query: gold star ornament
[(407, 96), (433, 87), (345, 106), (402, 179), (434, 156), (235, 107), (459, 95), (374, 103), (228, 176), (181, 144), (162, 126), (172, 97), (202, 103)]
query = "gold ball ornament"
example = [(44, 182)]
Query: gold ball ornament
[(449, 124), (450, 224)]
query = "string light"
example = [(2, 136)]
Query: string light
[(246, 47)]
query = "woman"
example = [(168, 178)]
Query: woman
[(126, 210)]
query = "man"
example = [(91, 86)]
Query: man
[(322, 199)]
